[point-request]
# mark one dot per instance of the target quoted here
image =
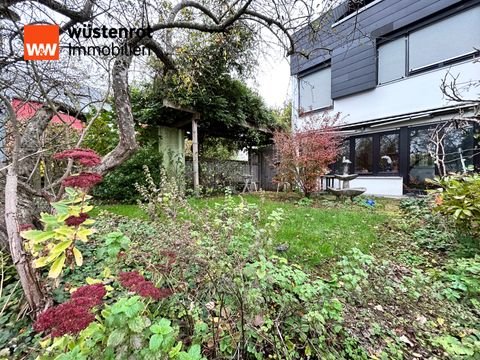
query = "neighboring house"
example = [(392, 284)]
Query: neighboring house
[(25, 110), (381, 64)]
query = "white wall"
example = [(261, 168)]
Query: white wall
[(380, 185), (411, 94), (376, 185)]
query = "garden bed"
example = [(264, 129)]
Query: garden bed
[(363, 280)]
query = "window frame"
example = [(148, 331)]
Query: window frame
[(345, 18), (354, 155), (405, 70), (474, 54), (376, 153), (318, 68), (377, 164)]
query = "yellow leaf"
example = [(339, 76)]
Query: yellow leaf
[(37, 236), (40, 262), (84, 233), (61, 247), (45, 342), (106, 272), (91, 281), (78, 256), (87, 208), (57, 267), (440, 321), (66, 231)]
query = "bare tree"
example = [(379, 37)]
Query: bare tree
[(51, 82), (468, 115)]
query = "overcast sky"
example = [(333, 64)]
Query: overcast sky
[(273, 79)]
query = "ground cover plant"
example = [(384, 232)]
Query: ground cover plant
[(313, 233), (212, 283)]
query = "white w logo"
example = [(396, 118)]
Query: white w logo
[(41, 49)]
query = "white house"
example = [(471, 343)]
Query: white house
[(381, 64)]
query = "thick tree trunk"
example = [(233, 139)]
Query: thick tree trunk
[(23, 146), (30, 284)]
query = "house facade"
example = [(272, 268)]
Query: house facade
[(381, 65)]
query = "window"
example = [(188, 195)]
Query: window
[(315, 90), (444, 40), (344, 152), (391, 60), (447, 40), (389, 154), (353, 7), (459, 147), (364, 155), (421, 163)]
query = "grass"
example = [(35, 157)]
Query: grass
[(314, 233), (132, 211)]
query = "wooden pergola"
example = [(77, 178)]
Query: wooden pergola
[(194, 119), (186, 117)]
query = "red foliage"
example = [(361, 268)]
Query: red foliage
[(67, 318), (84, 180), (130, 279), (72, 316), (306, 153), (95, 291), (76, 220), (171, 258), (86, 157), (24, 227), (135, 282)]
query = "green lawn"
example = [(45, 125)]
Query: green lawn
[(314, 233)]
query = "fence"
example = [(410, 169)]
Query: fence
[(217, 174)]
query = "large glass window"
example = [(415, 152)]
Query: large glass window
[(459, 149), (389, 154), (315, 90), (391, 60), (422, 166), (447, 39), (364, 155), (343, 153)]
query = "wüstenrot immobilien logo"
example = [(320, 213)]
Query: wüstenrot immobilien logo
[(41, 42)]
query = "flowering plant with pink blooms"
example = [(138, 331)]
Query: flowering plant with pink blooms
[(56, 244)]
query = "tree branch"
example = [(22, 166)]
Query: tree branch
[(126, 126)]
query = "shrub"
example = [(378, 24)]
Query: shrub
[(56, 244), (457, 197), (306, 153), (429, 229), (160, 199), (119, 185)]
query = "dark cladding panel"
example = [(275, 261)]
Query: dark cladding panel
[(347, 77), (376, 22)]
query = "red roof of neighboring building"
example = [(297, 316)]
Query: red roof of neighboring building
[(26, 109)]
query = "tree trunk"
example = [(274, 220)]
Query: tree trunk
[(32, 289), (30, 284)]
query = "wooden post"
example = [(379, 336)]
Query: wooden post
[(196, 176)]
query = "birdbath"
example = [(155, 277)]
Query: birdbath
[(344, 179)]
